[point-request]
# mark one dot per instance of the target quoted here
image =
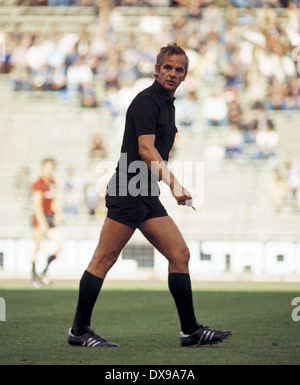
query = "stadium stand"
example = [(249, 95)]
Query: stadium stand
[(38, 122)]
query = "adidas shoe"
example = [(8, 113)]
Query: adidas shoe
[(204, 336), (88, 339), (45, 279), (36, 281)]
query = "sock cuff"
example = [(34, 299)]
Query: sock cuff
[(91, 278), (179, 274), (183, 277)]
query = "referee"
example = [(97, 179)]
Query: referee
[(148, 139)]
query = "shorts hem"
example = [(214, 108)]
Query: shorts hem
[(123, 222), (135, 225)]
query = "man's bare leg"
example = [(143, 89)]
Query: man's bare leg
[(114, 236), (165, 236), (54, 235), (37, 239)]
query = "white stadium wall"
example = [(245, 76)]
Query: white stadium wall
[(209, 261)]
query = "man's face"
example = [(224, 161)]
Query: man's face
[(171, 72), (47, 170)]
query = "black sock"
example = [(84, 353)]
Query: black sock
[(89, 289), (181, 290), (50, 259)]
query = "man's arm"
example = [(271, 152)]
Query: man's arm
[(155, 163)]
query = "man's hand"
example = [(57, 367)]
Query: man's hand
[(182, 195)]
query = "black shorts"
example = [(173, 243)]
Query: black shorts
[(49, 219), (133, 211)]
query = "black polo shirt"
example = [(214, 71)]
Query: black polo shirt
[(151, 112), (132, 193)]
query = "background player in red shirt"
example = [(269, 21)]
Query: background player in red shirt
[(46, 215)]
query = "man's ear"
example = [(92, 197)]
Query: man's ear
[(156, 73)]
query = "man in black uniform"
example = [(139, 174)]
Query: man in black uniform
[(132, 202)]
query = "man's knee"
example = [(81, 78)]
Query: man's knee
[(179, 261), (103, 259), (186, 256)]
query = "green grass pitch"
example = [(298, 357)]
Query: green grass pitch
[(142, 319)]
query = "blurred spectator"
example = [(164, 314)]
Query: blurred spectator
[(97, 149), (234, 112), (261, 120), (212, 19), (247, 17), (231, 14), (87, 95), (151, 24), (20, 71), (127, 71), (278, 189), (232, 75), (91, 199), (53, 3), (241, 3), (292, 15), (233, 105), (256, 84), (111, 101), (292, 98), (266, 15), (215, 110), (247, 127), (293, 180), (277, 95), (78, 75), (58, 78), (187, 108), (207, 66), (234, 142), (267, 142), (71, 194)]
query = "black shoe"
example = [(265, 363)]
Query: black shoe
[(204, 336), (89, 339)]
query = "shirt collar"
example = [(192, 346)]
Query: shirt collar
[(162, 93)]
